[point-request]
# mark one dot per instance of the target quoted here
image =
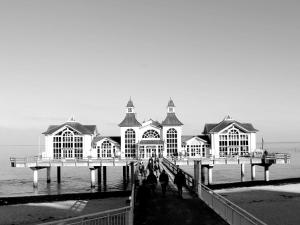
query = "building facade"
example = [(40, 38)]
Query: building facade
[(150, 139)]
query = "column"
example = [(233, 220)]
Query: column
[(267, 174), (35, 177), (242, 172), (252, 172), (104, 175), (124, 173), (209, 174), (197, 180), (132, 173), (203, 174), (48, 174), (127, 172), (58, 174), (93, 177), (99, 175)]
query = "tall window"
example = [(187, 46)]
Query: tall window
[(106, 149), (130, 143), (171, 142), (56, 147), (151, 134), (233, 143), (78, 148), (67, 144)]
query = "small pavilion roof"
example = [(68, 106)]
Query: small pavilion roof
[(171, 103), (130, 121), (171, 120), (83, 129), (217, 127)]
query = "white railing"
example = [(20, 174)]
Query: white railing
[(120, 216), (229, 211)]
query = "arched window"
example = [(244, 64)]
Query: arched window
[(130, 143), (233, 143), (171, 142), (151, 134), (67, 143), (106, 149)]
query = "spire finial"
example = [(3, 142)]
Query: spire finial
[(72, 119)]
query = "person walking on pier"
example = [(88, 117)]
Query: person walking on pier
[(164, 181), (179, 180), (152, 181)]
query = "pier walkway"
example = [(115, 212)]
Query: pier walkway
[(175, 211)]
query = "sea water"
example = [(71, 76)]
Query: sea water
[(232, 173), (18, 181)]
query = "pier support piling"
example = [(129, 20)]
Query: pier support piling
[(202, 174), (93, 177), (242, 172), (48, 174), (267, 173), (58, 174), (132, 173), (252, 172), (104, 175), (35, 177), (99, 175), (209, 174), (124, 173), (127, 172), (197, 179)]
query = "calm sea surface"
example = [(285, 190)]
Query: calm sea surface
[(18, 181)]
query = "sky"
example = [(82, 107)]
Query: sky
[(87, 58)]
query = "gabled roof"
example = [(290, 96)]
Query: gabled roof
[(130, 121), (151, 122), (217, 127), (185, 138), (114, 139), (171, 120), (83, 129)]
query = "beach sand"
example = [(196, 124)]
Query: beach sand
[(274, 204), (34, 213)]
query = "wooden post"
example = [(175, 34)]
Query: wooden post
[(35, 177), (58, 174), (48, 174), (124, 173), (99, 175), (252, 172), (196, 176), (242, 172), (93, 177), (267, 174), (104, 175), (209, 174), (132, 173)]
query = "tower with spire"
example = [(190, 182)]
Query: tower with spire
[(129, 128), (172, 131)]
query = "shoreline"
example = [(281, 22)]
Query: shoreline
[(61, 197), (254, 183)]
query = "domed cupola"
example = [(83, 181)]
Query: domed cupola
[(171, 119), (130, 120)]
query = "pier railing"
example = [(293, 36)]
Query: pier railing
[(36, 161), (120, 216), (230, 212)]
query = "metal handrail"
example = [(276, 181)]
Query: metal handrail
[(215, 197)]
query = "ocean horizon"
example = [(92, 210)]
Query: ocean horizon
[(18, 181)]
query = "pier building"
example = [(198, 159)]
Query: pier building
[(149, 138)]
